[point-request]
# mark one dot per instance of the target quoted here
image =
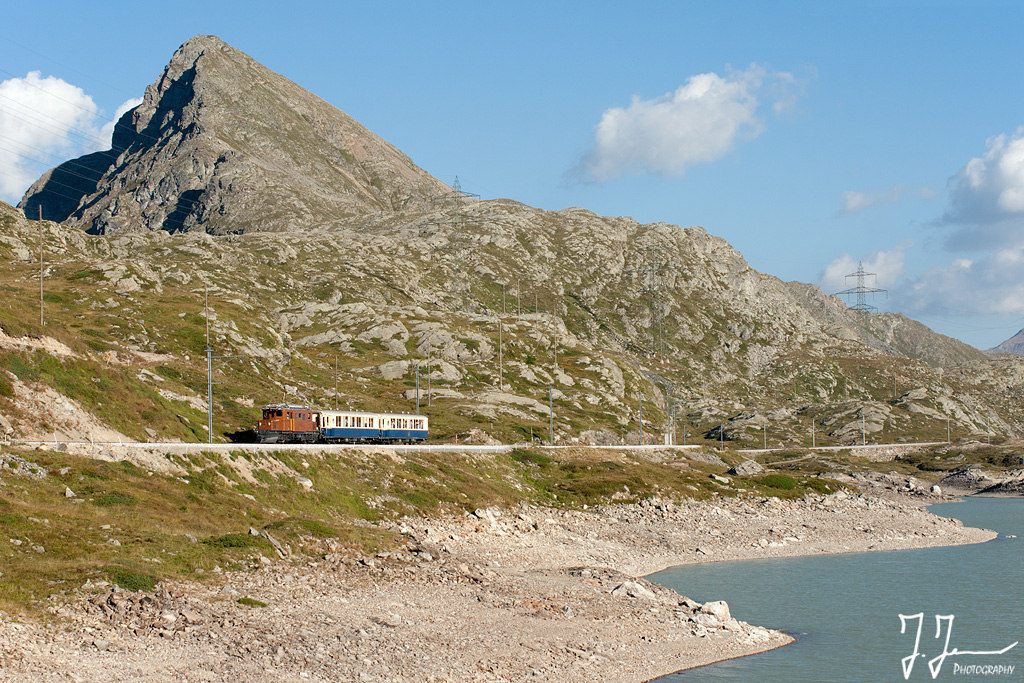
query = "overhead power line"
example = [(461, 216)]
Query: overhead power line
[(63, 65)]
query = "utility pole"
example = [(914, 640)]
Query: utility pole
[(417, 388), (812, 432), (554, 344), (863, 431), (335, 381), (501, 374), (428, 379), (42, 323), (209, 365), (640, 394), (209, 390), (670, 422), (551, 415)]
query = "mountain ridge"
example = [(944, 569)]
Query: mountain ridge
[(1014, 345)]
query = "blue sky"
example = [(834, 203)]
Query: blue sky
[(810, 135)]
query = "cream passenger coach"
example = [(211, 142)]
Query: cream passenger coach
[(300, 424)]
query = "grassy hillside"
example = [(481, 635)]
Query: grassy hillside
[(126, 324), (70, 519)]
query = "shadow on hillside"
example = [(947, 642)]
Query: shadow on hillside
[(242, 436)]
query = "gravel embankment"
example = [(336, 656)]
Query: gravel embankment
[(526, 594)]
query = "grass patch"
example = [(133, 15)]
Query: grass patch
[(529, 457), (779, 481), (6, 390), (237, 541), (251, 602), (115, 498), (87, 273), (303, 527), (131, 580)]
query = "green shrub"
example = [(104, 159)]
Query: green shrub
[(5, 389), (779, 481), (82, 274), (250, 602), (529, 457), (116, 498), (296, 527), (131, 580), (236, 541), (825, 486), (168, 372)]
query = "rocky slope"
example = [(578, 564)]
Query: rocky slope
[(501, 306), (1014, 344), (720, 341), (222, 144)]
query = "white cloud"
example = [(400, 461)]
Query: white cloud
[(887, 267), (989, 285), (987, 196), (855, 202), (43, 122), (699, 122)]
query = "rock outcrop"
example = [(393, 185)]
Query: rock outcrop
[(1014, 344), (222, 144)]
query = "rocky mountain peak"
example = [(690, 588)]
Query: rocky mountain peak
[(1014, 344), (221, 143)]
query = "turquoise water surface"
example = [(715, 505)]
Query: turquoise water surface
[(845, 610)]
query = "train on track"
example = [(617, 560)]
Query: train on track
[(286, 423)]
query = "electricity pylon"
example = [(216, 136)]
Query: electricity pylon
[(861, 290)]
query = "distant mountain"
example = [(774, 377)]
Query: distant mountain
[(221, 143), (1014, 344)]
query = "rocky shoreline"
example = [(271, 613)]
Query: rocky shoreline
[(496, 595)]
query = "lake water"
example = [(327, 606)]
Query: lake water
[(844, 609)]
